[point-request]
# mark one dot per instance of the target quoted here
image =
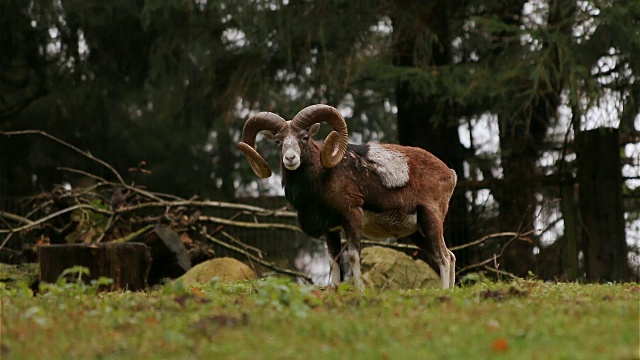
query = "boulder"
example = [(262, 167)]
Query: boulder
[(390, 269), (224, 269)]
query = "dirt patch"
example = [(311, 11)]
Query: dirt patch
[(500, 295)]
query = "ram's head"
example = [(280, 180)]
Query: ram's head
[(294, 136)]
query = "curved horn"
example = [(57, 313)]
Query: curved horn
[(256, 123), (335, 145)]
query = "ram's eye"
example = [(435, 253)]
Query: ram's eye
[(278, 142), (305, 138)]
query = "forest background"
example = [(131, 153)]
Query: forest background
[(533, 103)]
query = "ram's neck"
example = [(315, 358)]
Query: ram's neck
[(303, 190), (304, 185)]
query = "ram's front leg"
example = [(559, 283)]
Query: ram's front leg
[(335, 249), (352, 230), (353, 251)]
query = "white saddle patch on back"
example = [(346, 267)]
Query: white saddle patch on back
[(392, 166)]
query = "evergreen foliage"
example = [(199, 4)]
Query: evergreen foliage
[(172, 82)]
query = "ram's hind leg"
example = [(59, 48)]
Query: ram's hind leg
[(432, 242), (352, 230), (452, 268)]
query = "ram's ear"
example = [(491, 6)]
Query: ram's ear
[(313, 129), (268, 134)]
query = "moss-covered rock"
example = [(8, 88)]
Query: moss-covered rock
[(391, 269), (224, 269)]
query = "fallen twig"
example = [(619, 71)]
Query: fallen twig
[(6, 239), (491, 236), (244, 224), (245, 246), (55, 214), (14, 217), (110, 221), (501, 272), (82, 152), (452, 248), (495, 256), (255, 258), (214, 204), (82, 172), (134, 235), (393, 245)]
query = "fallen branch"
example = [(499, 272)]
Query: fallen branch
[(481, 263), (82, 172), (500, 272), (452, 248), (518, 236), (491, 236), (214, 204), (389, 245), (81, 152), (244, 246), (107, 227), (54, 215), (134, 235), (166, 204), (14, 217), (6, 239), (254, 258), (250, 225), (103, 182)]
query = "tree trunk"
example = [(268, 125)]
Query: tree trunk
[(126, 264), (522, 131), (422, 122), (600, 179), (516, 198), (227, 160), (569, 269)]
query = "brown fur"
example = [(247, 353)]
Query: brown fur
[(344, 192)]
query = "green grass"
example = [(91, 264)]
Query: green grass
[(275, 319)]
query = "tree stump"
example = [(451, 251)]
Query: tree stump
[(126, 264)]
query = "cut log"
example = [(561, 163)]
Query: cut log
[(127, 264)]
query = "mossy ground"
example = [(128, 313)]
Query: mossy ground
[(276, 319)]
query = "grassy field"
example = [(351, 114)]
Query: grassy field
[(276, 319)]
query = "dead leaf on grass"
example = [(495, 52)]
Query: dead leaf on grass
[(500, 345), (197, 292)]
